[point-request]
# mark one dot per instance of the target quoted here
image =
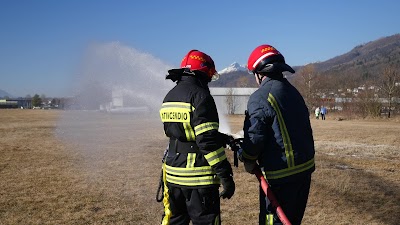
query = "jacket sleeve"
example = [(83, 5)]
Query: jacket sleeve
[(255, 126), (206, 123)]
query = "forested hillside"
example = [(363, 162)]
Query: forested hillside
[(363, 63)]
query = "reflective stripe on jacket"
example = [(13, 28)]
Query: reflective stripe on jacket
[(190, 118), (278, 132)]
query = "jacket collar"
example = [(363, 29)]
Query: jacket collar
[(265, 81), (268, 79), (194, 80)]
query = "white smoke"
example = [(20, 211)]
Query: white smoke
[(112, 147), (113, 66)]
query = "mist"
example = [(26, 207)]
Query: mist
[(113, 70), (118, 94)]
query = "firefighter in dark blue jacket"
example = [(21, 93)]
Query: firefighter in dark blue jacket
[(196, 163), (278, 135)]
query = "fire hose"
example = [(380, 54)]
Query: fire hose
[(271, 197), (235, 146), (160, 188)]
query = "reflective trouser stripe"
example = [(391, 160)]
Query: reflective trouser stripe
[(191, 158), (201, 128), (289, 171), (167, 209), (215, 156), (285, 135), (269, 219), (216, 222), (193, 181)]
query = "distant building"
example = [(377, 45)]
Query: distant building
[(228, 100), (16, 103), (6, 103), (231, 100), (129, 101)]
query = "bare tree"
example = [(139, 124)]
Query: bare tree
[(367, 101), (389, 78), (245, 81), (306, 84), (230, 101)]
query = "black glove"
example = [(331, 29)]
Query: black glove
[(224, 172), (228, 186), (249, 165), (226, 139)]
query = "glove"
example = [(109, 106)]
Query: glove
[(249, 165), (228, 186), (224, 172), (226, 140)]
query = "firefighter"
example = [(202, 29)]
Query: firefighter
[(278, 136), (196, 164)]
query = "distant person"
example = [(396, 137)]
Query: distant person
[(323, 112), (196, 163), (278, 135), (317, 113)]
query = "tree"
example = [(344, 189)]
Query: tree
[(36, 101), (230, 101), (388, 86), (367, 101), (43, 97), (245, 81), (306, 84), (55, 101)]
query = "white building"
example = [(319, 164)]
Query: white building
[(228, 100), (231, 100)]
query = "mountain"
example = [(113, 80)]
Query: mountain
[(234, 75), (364, 62), (4, 94), (234, 67)]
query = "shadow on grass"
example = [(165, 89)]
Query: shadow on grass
[(358, 193)]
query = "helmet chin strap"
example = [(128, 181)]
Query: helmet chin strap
[(259, 78)]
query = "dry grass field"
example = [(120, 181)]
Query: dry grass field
[(93, 168)]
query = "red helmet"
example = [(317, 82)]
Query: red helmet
[(266, 58), (196, 60)]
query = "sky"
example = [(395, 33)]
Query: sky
[(43, 42)]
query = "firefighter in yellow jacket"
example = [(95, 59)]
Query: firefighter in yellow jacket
[(196, 164)]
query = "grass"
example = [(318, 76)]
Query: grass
[(92, 168)]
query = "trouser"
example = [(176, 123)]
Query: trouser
[(322, 116), (201, 206), (292, 197)]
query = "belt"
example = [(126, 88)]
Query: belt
[(176, 146)]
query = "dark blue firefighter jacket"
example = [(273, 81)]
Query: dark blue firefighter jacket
[(277, 131)]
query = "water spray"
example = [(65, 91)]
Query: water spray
[(116, 78)]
